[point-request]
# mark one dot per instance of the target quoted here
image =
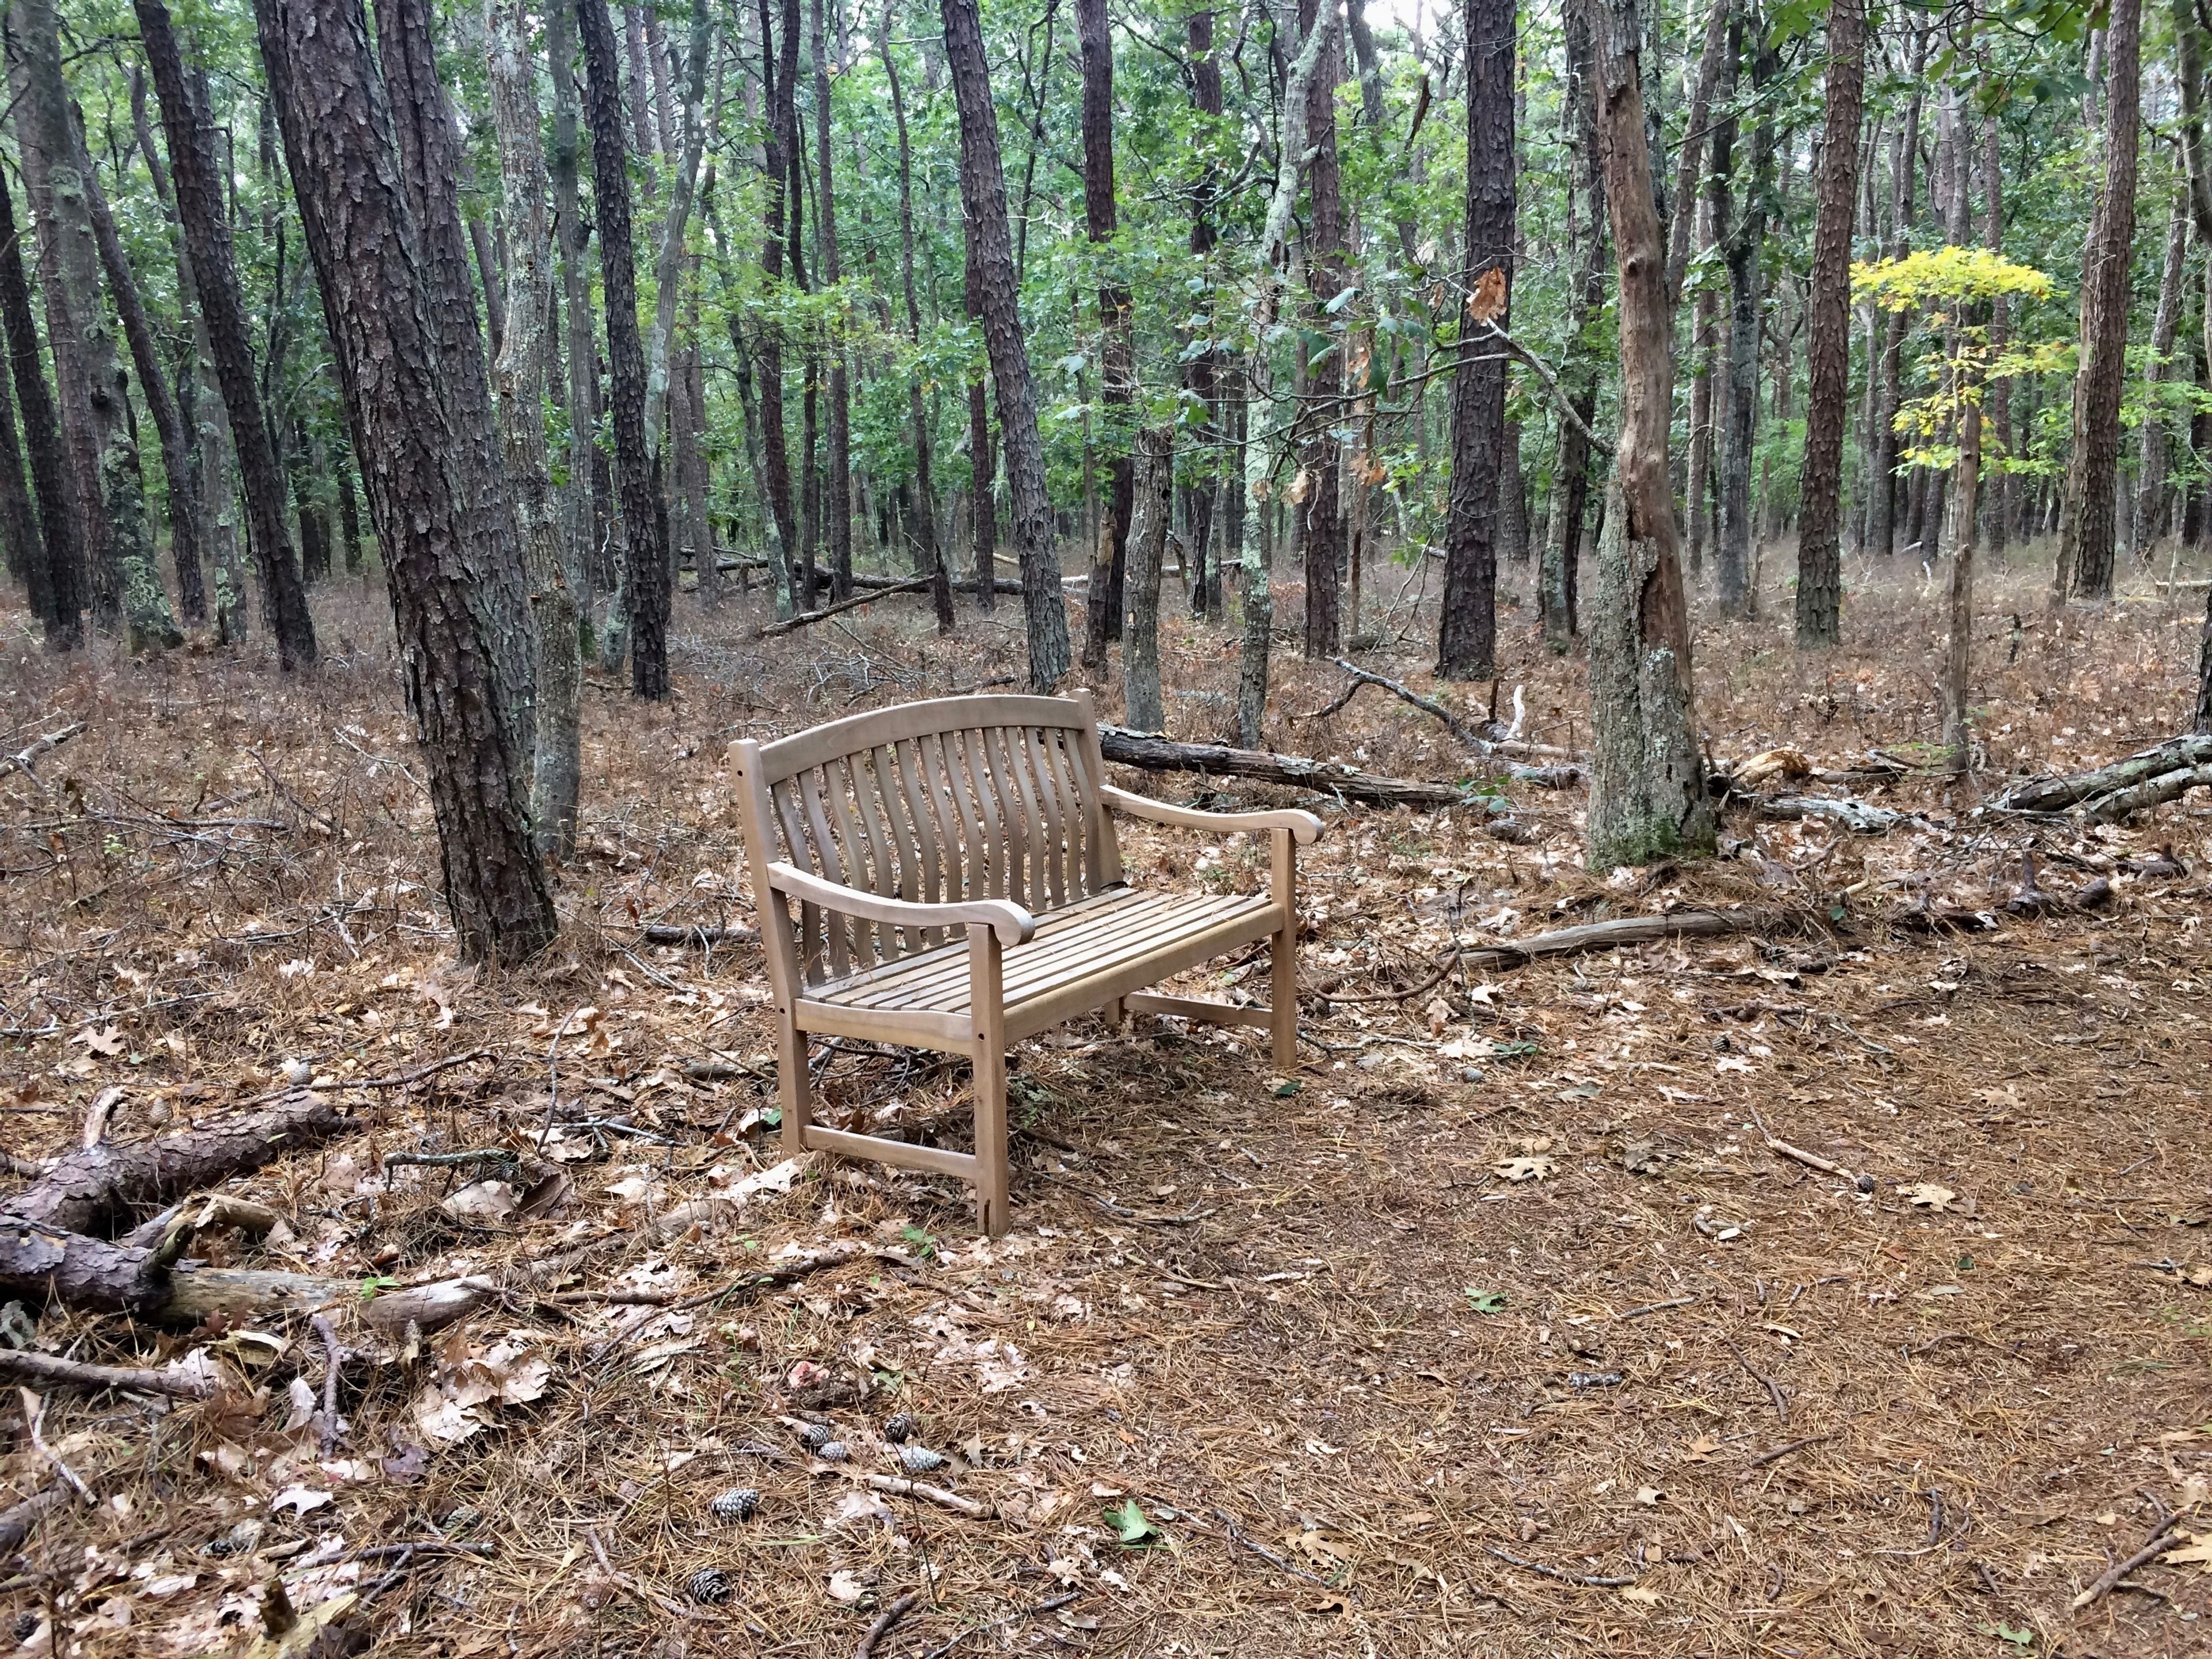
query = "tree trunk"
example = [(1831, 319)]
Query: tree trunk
[(19, 524), (1153, 501), (431, 163), (349, 523), (983, 203), (62, 577), (1117, 350), (518, 377), (1321, 455), (591, 515), (837, 502), (2150, 493), (982, 494), (1467, 637), (643, 540), (1828, 334), (1647, 797), (779, 70), (1704, 338), (1742, 241), (929, 555), (1559, 573), (177, 462), (126, 578), (1998, 394), (2087, 531), (1202, 374), (1684, 222), (405, 407), (203, 212)]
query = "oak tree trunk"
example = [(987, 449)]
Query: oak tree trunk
[(1467, 634), (1152, 501), (1827, 334), (203, 209), (1321, 455), (983, 205)]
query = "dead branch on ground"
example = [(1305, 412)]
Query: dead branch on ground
[(808, 618), (21, 760)]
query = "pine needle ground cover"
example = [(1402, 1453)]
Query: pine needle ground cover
[(1499, 1326)]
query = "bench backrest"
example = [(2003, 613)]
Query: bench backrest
[(958, 798)]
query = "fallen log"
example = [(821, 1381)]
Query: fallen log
[(2056, 794), (17, 1522), (2117, 804), (1157, 754), (50, 1232), (658, 932), (1491, 740), (960, 584), (1861, 816), (808, 618)]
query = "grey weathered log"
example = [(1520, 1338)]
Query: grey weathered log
[(2117, 804), (660, 932), (1157, 754), (23, 759), (1621, 930), (1862, 816), (2056, 794), (16, 1522), (808, 618)]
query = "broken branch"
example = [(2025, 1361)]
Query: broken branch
[(29, 1368)]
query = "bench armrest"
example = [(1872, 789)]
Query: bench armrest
[(1013, 924), (1304, 827)]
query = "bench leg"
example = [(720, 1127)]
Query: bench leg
[(987, 1001), (1113, 1014), (793, 1091), (1284, 1007)]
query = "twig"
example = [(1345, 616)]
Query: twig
[(2111, 1575), (1781, 1452), (1798, 1154), (899, 1486), (656, 933), (1594, 1580), (1656, 1307), (423, 1546), (21, 760), (1550, 384), (401, 1079), (1050, 1604), (322, 1328), (49, 1370), (1773, 1388), (1266, 1554), (17, 1522), (808, 618), (885, 1622), (1428, 706), (34, 1409)]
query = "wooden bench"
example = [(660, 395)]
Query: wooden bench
[(959, 886)]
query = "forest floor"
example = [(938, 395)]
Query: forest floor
[(1495, 1329)]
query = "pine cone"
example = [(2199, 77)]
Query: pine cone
[(738, 1504), (708, 1585)]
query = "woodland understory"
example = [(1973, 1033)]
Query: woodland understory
[(1499, 1326)]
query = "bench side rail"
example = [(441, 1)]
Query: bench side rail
[(941, 802)]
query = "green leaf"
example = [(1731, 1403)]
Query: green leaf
[(1485, 1302), (375, 1283), (1288, 1086), (925, 1243), (1130, 1523)]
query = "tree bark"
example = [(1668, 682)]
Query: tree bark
[(1828, 334), (24, 548), (2150, 492), (591, 515), (177, 461), (1202, 374), (2087, 530), (1648, 797), (1321, 454), (1103, 606), (1466, 640), (518, 377), (644, 526), (929, 556), (1742, 241), (779, 70), (61, 576), (837, 477), (431, 166), (405, 407), (126, 578), (1892, 479), (203, 210), (1153, 501), (1998, 395), (983, 204), (1558, 575), (1695, 133)]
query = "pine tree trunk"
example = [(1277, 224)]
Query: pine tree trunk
[(518, 377), (1559, 571), (643, 540), (1321, 455), (2150, 493), (983, 203), (837, 502), (405, 405), (62, 574), (1153, 501), (1742, 241), (1117, 350), (1467, 641), (19, 524), (350, 522), (1828, 334), (126, 578), (2087, 531), (203, 209), (1647, 797), (930, 558), (1998, 394), (431, 164), (1202, 374)]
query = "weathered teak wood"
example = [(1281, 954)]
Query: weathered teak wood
[(957, 885)]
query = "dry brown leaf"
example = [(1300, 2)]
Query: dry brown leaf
[(1534, 1167), (1488, 303)]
